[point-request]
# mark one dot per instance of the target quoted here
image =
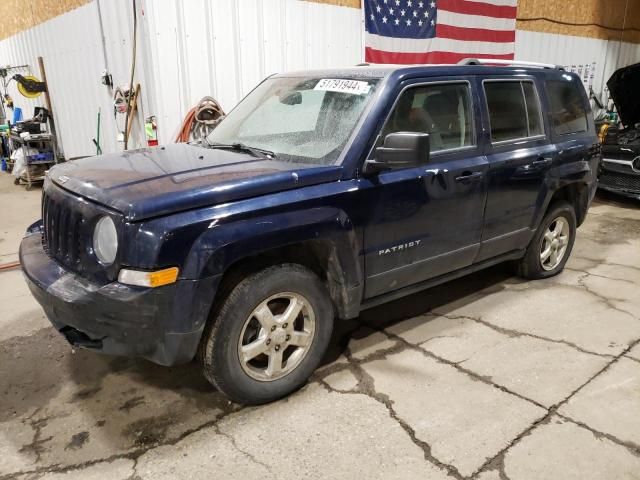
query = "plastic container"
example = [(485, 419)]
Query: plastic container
[(3, 167), (43, 156), (17, 115)]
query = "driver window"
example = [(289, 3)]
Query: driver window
[(442, 111)]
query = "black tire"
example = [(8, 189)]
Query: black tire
[(219, 352), (530, 266)]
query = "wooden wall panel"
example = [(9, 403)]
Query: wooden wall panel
[(585, 18), (19, 15), (340, 3)]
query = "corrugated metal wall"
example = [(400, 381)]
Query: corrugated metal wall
[(224, 48), (186, 49), (191, 48), (569, 50), (71, 46)]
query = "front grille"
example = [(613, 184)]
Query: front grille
[(61, 237), (620, 180)]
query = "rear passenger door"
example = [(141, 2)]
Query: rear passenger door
[(520, 155)]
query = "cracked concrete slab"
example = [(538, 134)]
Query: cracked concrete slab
[(621, 293), (616, 209), (489, 475), (201, 455), (545, 372), (63, 408), (464, 421), (24, 316), (119, 469), (315, 434), (635, 353), (564, 450), (455, 339), (366, 341), (115, 418), (344, 380), (558, 312), (541, 370), (611, 403), (14, 435), (14, 220)]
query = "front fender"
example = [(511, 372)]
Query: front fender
[(224, 244)]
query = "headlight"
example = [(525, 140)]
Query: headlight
[(105, 241)]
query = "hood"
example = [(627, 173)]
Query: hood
[(623, 86), (157, 181)]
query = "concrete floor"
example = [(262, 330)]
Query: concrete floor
[(487, 377)]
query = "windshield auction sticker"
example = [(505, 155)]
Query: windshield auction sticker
[(343, 86)]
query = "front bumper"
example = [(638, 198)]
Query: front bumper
[(620, 191), (163, 324), (620, 176)]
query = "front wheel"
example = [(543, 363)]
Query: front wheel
[(551, 245), (268, 335)]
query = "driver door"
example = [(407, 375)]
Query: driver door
[(427, 221)]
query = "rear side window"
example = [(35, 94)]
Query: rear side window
[(514, 110), (567, 107)]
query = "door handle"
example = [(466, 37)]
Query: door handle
[(542, 161), (468, 177)]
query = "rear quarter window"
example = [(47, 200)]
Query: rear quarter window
[(568, 113)]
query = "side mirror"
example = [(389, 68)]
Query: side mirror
[(401, 150)]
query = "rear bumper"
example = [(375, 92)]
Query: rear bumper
[(163, 325)]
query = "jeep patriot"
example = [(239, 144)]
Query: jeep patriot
[(323, 193)]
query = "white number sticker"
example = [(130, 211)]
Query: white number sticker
[(344, 86)]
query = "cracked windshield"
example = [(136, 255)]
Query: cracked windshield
[(298, 119)]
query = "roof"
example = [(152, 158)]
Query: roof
[(381, 71)]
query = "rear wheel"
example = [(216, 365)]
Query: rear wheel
[(268, 335), (551, 245)]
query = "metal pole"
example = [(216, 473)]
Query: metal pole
[(624, 24), (47, 101), (102, 37)]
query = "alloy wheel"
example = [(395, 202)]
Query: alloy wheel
[(554, 243), (276, 336)]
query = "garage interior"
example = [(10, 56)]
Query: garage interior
[(486, 377)]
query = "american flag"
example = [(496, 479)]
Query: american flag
[(438, 31)]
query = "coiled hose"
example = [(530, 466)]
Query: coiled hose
[(200, 120)]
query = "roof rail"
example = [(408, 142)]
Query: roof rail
[(514, 63)]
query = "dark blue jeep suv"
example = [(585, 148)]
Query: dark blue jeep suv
[(323, 193)]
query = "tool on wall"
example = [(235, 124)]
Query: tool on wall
[(200, 120), (6, 76), (47, 102), (29, 86), (133, 108), (96, 141)]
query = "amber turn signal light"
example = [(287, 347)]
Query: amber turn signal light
[(155, 279)]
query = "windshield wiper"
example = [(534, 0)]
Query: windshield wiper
[(241, 147)]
